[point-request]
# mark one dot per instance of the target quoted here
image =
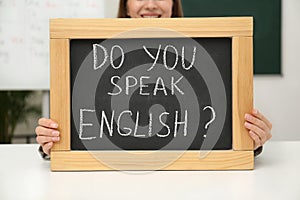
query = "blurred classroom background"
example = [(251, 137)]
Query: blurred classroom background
[(24, 62)]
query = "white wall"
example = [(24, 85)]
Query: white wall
[(277, 97), (24, 38), (111, 8)]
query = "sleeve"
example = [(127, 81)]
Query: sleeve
[(47, 157), (44, 156), (258, 151)]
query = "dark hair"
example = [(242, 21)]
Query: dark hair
[(176, 10)]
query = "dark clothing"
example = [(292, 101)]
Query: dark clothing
[(258, 151), (47, 157), (44, 156)]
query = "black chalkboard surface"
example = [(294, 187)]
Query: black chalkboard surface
[(156, 83)]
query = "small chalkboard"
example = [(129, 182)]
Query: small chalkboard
[(150, 92), (151, 98)]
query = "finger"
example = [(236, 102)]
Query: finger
[(48, 123), (256, 121), (256, 139), (47, 147), (269, 136), (259, 132), (45, 139), (40, 130), (262, 141), (256, 113)]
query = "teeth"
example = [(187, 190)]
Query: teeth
[(150, 16)]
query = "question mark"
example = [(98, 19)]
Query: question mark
[(213, 117)]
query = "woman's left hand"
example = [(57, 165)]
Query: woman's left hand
[(259, 127)]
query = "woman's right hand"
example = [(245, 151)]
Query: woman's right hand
[(46, 134)]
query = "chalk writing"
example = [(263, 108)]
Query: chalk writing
[(131, 131), (144, 85), (98, 63), (212, 119)]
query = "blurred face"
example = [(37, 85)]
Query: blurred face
[(149, 8)]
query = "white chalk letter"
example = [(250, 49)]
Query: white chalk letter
[(125, 128), (151, 56), (128, 85), (143, 86), (150, 124), (173, 85), (95, 52), (184, 122), (165, 57), (159, 79), (111, 56), (115, 84), (109, 126), (82, 124), (164, 124), (136, 125), (193, 59)]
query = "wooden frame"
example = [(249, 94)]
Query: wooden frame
[(240, 29)]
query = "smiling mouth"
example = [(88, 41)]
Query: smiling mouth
[(150, 16)]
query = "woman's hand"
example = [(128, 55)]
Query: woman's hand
[(259, 127), (47, 133)]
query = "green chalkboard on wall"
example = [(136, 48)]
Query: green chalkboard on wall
[(267, 26)]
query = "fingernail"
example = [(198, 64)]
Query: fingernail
[(255, 111), (55, 139), (54, 125), (247, 125), (247, 116), (55, 133)]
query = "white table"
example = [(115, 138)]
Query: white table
[(24, 175)]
